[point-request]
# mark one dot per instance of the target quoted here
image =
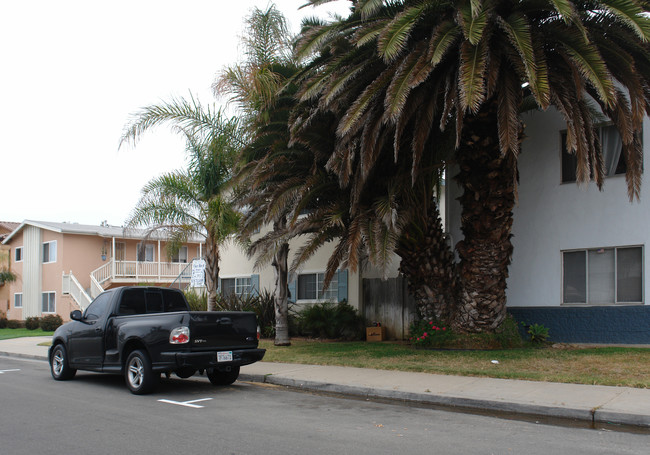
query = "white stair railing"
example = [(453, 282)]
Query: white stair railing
[(95, 287), (70, 285)]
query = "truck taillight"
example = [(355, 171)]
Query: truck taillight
[(180, 335), (259, 333)]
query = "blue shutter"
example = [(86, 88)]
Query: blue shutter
[(293, 293), (219, 286), (343, 285), (255, 285)]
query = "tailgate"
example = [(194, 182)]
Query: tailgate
[(210, 330)]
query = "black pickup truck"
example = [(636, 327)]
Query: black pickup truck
[(141, 332)]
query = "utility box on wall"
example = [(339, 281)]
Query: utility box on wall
[(375, 333)]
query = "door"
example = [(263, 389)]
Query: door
[(86, 343)]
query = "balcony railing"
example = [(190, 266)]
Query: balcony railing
[(138, 271)]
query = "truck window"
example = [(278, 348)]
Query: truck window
[(132, 302), (174, 301), (97, 308), (154, 301)]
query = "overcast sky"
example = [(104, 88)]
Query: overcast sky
[(71, 74)]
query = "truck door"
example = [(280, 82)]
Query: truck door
[(86, 344)]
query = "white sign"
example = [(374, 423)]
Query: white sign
[(198, 273)]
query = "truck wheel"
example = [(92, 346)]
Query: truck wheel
[(59, 366), (139, 376), (217, 377)]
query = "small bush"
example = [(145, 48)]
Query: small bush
[(3, 322), (436, 334), (51, 322), (331, 320), (32, 323), (196, 301), (15, 324), (538, 333), (431, 334)]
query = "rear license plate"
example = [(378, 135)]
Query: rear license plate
[(224, 356)]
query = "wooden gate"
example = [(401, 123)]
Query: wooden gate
[(389, 303)]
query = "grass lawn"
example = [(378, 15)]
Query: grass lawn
[(612, 366), (6, 334)]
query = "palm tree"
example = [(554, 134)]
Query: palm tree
[(254, 85), (396, 73), (193, 201)]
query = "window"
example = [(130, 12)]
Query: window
[(603, 276), (611, 145), (19, 254), (98, 307), (49, 252), (310, 287), (18, 300), (48, 302), (145, 252), (180, 255), (236, 286), (120, 251)]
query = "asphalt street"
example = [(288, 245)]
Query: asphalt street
[(95, 413)]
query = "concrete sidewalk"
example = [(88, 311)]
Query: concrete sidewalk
[(591, 404)]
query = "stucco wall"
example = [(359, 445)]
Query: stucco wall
[(551, 217)]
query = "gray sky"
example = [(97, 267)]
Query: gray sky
[(73, 71)]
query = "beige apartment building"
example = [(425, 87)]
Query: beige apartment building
[(61, 267)]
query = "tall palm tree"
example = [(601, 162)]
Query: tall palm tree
[(195, 201), (396, 73), (254, 86)]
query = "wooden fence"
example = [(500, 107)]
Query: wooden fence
[(388, 302)]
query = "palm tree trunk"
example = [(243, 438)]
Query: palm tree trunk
[(488, 179), (281, 270), (211, 271), (428, 265)]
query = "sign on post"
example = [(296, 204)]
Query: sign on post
[(198, 274)]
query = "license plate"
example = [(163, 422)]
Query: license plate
[(224, 356)]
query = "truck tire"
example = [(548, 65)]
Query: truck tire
[(59, 366), (217, 377), (138, 374)]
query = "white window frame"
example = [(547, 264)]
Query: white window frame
[(322, 295), (241, 287), (145, 248), (51, 252), (16, 250), (181, 258), (615, 249), (51, 301), (18, 294)]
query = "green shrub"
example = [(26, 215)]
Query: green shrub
[(15, 324), (3, 322), (330, 320), (32, 323), (431, 334), (196, 301), (434, 334), (538, 333), (51, 322)]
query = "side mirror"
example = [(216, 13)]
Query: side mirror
[(76, 315)]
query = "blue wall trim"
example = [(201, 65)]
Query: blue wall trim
[(607, 324)]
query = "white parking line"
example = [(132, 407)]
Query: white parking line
[(189, 404), (7, 371)]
